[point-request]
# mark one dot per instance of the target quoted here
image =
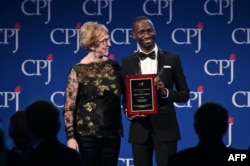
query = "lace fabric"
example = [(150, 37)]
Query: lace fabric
[(92, 105)]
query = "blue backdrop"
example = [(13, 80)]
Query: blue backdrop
[(39, 43)]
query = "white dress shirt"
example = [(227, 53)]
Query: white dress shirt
[(148, 65)]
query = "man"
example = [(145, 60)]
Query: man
[(155, 133), (210, 124), (43, 122), (2, 146), (19, 134)]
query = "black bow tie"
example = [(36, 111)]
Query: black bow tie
[(144, 56)]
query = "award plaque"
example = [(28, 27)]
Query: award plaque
[(141, 95)]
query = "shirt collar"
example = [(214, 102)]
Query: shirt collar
[(155, 49)]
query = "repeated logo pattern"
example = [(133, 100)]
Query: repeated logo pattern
[(39, 44)]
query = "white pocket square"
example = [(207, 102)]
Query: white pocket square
[(167, 67)]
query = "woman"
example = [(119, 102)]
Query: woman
[(93, 108)]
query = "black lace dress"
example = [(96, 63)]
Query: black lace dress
[(93, 106)]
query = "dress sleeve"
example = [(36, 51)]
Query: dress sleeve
[(70, 103)]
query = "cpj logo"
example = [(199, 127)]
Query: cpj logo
[(218, 67), (8, 36), (31, 67), (195, 99), (187, 36), (8, 97)]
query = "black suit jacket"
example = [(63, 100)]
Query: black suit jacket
[(53, 152), (164, 124)]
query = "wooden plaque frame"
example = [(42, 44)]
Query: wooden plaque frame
[(141, 95)]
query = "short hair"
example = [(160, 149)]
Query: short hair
[(211, 119), (90, 32), (43, 119), (17, 126), (140, 18)]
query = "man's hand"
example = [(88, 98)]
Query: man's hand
[(160, 86), (134, 116)]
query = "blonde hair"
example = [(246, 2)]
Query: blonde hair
[(89, 33)]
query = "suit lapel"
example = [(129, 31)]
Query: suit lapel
[(160, 59), (137, 64)]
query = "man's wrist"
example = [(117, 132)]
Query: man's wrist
[(164, 93)]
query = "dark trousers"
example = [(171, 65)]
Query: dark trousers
[(143, 153), (103, 151)]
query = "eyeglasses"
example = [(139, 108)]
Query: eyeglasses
[(104, 41)]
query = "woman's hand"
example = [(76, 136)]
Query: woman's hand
[(73, 144)]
